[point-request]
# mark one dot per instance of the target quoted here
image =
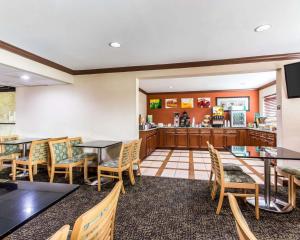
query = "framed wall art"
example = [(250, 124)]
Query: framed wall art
[(234, 103)]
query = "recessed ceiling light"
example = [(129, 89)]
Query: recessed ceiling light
[(25, 77), (262, 28), (170, 86), (115, 44)]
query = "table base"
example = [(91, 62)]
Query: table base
[(276, 205), (95, 182)]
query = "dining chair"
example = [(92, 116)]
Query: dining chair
[(61, 234), (232, 180), (38, 154), (136, 161), (87, 157), (98, 223), (226, 166), (117, 167), (296, 182), (8, 152), (242, 227), (61, 158)]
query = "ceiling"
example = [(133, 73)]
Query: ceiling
[(206, 83), (11, 77), (76, 33)]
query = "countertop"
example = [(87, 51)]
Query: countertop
[(255, 129)]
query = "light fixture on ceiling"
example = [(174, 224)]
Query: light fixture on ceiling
[(170, 86), (262, 28), (115, 44), (25, 77)]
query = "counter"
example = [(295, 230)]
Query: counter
[(196, 138)]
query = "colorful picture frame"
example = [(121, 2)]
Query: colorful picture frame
[(187, 102), (204, 102), (155, 103), (171, 103), (241, 103)]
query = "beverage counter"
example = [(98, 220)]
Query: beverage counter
[(196, 138)]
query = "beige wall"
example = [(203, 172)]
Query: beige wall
[(94, 107), (288, 116)]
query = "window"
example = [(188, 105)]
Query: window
[(270, 105)]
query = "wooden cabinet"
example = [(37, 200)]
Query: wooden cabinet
[(193, 138), (169, 140), (218, 138), (181, 138), (149, 142), (231, 137), (196, 138), (205, 136)]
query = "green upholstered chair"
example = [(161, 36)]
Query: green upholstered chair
[(62, 160), (8, 152), (292, 174), (90, 159), (118, 166), (227, 180), (226, 166), (38, 154)]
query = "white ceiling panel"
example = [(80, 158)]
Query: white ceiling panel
[(76, 33), (206, 83), (12, 77)]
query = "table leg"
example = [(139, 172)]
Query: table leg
[(103, 180), (266, 201)]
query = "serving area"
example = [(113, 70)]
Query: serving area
[(196, 138)]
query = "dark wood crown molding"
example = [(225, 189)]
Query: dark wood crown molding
[(267, 85), (197, 92), (34, 57), (143, 91), (254, 59)]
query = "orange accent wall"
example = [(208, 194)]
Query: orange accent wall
[(165, 115)]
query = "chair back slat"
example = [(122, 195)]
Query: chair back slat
[(98, 222), (210, 150), (59, 150), (39, 151), (76, 150), (217, 165), (243, 229), (61, 234), (125, 154), (136, 146)]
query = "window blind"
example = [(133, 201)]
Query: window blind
[(270, 105)]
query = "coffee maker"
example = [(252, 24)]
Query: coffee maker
[(184, 120)]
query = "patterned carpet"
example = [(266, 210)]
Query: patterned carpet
[(161, 208)]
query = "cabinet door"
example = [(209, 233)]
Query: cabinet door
[(242, 141), (231, 139), (143, 151), (170, 139), (218, 140), (181, 140), (194, 140), (204, 138), (148, 145)]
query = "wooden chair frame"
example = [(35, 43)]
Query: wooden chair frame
[(294, 183), (220, 181), (68, 167), (117, 170), (280, 173), (29, 166), (86, 159), (98, 223), (136, 155), (10, 157), (61, 234), (242, 227)]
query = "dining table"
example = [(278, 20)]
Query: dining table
[(269, 155), (99, 145)]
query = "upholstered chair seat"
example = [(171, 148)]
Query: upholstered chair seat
[(231, 167), (292, 171), (110, 163), (238, 177)]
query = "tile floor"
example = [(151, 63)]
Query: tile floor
[(191, 164)]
